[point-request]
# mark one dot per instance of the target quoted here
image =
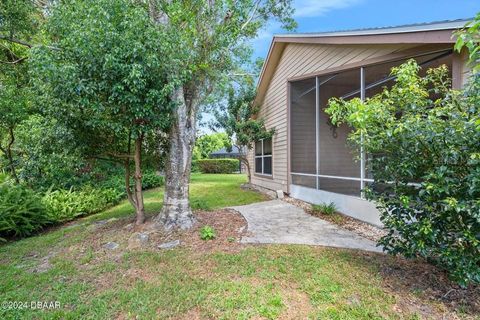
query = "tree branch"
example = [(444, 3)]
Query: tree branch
[(14, 62), (24, 43), (252, 15)]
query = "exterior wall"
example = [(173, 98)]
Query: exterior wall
[(348, 205), (297, 60)]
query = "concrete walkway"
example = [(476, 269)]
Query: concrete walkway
[(277, 221)]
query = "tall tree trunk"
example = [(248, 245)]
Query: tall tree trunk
[(176, 211), (140, 208)]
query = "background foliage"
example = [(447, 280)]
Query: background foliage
[(217, 165)]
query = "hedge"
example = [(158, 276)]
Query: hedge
[(217, 165)]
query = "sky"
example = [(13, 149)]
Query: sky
[(334, 15)]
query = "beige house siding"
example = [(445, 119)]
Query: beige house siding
[(297, 60)]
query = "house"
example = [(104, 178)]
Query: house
[(308, 158), (234, 153)]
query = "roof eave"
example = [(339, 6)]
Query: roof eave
[(433, 36)]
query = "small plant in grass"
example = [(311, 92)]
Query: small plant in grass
[(231, 239), (200, 204), (324, 208), (207, 233)]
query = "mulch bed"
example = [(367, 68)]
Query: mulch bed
[(362, 228), (228, 224)]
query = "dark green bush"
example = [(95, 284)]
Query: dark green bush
[(218, 165), (151, 180), (424, 139), (21, 211)]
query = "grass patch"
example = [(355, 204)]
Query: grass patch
[(268, 282)]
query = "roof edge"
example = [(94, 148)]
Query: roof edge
[(421, 27)]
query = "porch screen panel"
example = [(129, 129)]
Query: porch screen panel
[(336, 156), (302, 122), (347, 187)]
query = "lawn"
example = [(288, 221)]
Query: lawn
[(227, 281)]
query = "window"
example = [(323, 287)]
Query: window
[(263, 156)]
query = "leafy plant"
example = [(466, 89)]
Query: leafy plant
[(325, 208), (424, 142), (150, 180), (65, 205), (21, 211), (207, 233)]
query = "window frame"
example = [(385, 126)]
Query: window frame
[(263, 156)]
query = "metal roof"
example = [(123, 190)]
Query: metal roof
[(430, 26), (224, 151)]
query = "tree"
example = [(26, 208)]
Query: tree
[(17, 25), (208, 42), (239, 120), (208, 143), (106, 81), (423, 139), (469, 38)]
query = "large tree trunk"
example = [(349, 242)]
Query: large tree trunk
[(176, 211)]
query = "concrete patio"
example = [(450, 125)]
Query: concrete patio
[(276, 221)]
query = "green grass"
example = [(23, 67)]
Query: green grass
[(266, 282)]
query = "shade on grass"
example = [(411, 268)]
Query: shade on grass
[(282, 281)]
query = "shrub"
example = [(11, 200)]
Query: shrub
[(424, 142), (325, 208), (151, 180), (218, 165), (21, 211), (65, 205), (207, 233)]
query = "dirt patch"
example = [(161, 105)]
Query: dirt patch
[(297, 304), (361, 228), (422, 288), (229, 227)]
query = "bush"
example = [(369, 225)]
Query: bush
[(217, 165), (151, 180), (65, 205), (21, 211), (424, 142)]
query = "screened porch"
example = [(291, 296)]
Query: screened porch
[(320, 157)]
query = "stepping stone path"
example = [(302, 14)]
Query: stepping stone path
[(169, 245), (111, 245), (277, 221), (138, 239)]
